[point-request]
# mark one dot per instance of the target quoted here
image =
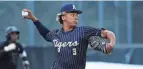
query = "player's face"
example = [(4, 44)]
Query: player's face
[(14, 36), (71, 18)]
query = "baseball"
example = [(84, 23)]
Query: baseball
[(24, 13)]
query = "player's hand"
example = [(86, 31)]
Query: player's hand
[(109, 47), (30, 15), (26, 66)]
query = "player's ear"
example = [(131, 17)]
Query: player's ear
[(63, 17)]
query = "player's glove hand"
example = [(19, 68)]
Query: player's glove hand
[(10, 47), (100, 44), (108, 48)]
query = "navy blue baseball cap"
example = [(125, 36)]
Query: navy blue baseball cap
[(70, 8)]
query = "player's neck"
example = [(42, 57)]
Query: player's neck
[(67, 28), (10, 41)]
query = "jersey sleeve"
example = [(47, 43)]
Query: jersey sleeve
[(90, 31), (44, 32), (22, 54), (19, 48)]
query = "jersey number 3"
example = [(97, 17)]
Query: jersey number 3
[(74, 51)]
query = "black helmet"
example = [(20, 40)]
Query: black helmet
[(10, 30)]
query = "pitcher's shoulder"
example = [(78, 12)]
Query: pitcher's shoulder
[(55, 31), (86, 27), (82, 27)]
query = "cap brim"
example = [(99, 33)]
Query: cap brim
[(70, 11), (77, 11), (15, 32)]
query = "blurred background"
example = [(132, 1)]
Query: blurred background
[(124, 18)]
